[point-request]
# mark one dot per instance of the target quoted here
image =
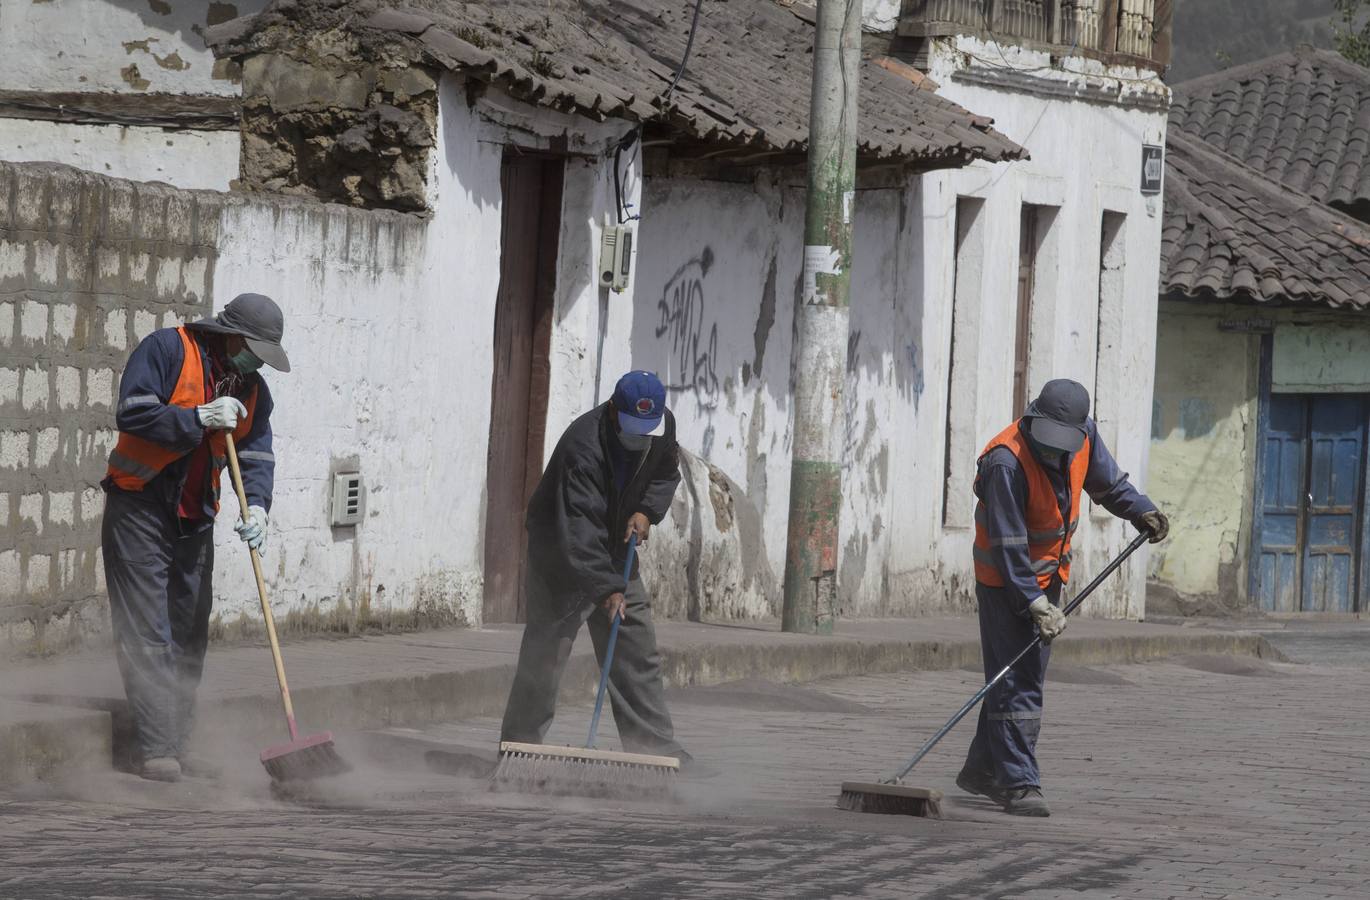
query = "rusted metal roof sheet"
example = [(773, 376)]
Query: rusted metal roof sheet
[(1231, 233), (746, 86), (1300, 118)]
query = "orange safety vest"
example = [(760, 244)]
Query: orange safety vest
[(1048, 536), (135, 461)]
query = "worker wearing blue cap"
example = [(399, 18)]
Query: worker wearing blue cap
[(612, 475)]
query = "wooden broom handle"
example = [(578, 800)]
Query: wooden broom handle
[(237, 474)]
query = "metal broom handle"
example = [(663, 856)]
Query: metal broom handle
[(1138, 541), (609, 650)]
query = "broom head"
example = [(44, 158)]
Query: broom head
[(579, 771), (309, 757), (891, 799)]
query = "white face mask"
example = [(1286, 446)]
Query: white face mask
[(635, 442)]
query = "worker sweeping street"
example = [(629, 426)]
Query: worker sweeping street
[(612, 476), (1029, 481), (182, 390)]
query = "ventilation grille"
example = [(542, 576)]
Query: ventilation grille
[(348, 493)]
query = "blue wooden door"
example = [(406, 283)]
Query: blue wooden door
[(1311, 505), (1336, 442), (1284, 450)]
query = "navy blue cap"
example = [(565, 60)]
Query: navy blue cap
[(1058, 415), (640, 400)]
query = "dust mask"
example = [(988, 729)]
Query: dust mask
[(635, 443), (245, 361)]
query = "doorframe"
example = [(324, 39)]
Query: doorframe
[(1264, 381), (547, 244)]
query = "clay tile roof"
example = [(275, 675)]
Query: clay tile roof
[(1230, 233), (1301, 118), (746, 86)]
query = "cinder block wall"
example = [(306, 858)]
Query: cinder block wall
[(88, 267)]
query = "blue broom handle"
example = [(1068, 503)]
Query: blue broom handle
[(609, 650), (1138, 541)]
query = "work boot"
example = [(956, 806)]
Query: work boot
[(981, 784), (1026, 801), (161, 768), (195, 766)]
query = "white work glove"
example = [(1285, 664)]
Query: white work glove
[(1050, 620), (221, 414), (253, 531)]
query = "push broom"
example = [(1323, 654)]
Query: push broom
[(585, 771), (893, 796), (313, 756)]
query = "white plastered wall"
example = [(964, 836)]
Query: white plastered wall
[(130, 47), (390, 323), (1083, 179)]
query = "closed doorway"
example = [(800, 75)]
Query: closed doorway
[(531, 188), (1310, 533)]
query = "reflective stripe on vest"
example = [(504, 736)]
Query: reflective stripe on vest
[(1048, 536), (135, 461)]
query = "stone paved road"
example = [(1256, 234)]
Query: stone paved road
[(1201, 777)]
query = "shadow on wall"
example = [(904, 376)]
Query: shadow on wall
[(707, 561)]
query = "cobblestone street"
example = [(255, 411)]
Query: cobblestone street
[(1196, 777)]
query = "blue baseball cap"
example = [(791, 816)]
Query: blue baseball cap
[(640, 400)]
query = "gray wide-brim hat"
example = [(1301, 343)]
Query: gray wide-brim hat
[(259, 321)]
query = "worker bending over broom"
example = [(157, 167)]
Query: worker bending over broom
[(612, 475), (182, 389), (1029, 481)]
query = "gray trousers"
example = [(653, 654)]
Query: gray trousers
[(635, 686), (160, 592)]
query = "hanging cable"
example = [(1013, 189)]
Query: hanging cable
[(633, 138)]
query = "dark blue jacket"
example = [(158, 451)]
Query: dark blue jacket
[(1002, 487), (145, 411)]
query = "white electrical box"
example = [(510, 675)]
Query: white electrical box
[(348, 494), (615, 256)]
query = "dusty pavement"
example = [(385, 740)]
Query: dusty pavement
[(1195, 777)]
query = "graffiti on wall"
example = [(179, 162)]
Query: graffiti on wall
[(682, 310)]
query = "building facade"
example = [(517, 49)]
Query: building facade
[(1259, 435), (426, 195)]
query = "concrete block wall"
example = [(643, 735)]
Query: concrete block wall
[(88, 266)]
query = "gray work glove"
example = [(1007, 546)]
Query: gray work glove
[(221, 414), (253, 530), (1050, 620), (1154, 524)]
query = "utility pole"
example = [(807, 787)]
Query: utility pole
[(821, 372)]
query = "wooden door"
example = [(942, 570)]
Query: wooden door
[(1336, 429), (1311, 514), (531, 189), (1281, 500)]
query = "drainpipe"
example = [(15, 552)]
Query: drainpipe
[(821, 353)]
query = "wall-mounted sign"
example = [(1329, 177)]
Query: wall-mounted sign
[(1247, 326), (1153, 165)]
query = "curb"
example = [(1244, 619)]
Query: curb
[(47, 741)]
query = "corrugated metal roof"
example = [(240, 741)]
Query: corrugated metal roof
[(1231, 233), (746, 87)]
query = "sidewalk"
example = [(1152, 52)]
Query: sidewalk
[(63, 715)]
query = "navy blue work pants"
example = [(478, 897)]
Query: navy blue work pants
[(1005, 743), (160, 580)]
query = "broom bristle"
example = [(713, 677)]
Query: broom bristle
[(890, 799), (570, 771), (311, 757)]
